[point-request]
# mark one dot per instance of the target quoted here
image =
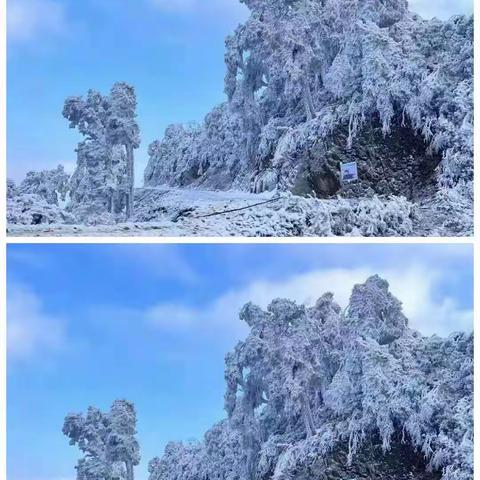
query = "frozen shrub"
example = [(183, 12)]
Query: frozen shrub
[(12, 189), (32, 209), (51, 185)]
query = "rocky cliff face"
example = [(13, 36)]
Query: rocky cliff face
[(401, 463), (394, 164), (325, 393)]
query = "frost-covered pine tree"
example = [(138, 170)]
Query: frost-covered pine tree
[(103, 180), (320, 392), (107, 440)]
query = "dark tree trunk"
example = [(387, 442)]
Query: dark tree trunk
[(308, 417), (129, 468), (307, 99), (130, 181)]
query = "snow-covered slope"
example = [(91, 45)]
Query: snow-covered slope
[(320, 393)]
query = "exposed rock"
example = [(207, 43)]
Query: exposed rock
[(395, 164)]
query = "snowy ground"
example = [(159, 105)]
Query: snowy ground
[(162, 212)]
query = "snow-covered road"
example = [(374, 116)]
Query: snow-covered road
[(161, 212)]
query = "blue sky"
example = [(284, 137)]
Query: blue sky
[(170, 50), (151, 323)]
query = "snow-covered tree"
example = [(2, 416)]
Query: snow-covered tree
[(123, 130), (308, 80), (122, 445), (107, 440), (321, 392), (104, 177)]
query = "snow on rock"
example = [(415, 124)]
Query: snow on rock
[(320, 393), (32, 209)]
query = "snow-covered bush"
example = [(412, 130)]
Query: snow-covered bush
[(12, 189), (39, 198), (51, 185), (186, 153), (313, 389), (33, 209), (307, 217), (365, 218)]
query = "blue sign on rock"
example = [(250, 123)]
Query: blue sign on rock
[(349, 172)]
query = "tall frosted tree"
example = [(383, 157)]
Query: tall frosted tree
[(122, 445), (107, 440), (103, 180), (123, 130), (322, 392)]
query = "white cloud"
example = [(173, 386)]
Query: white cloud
[(427, 8), (414, 286), (31, 331), (171, 315), (164, 261), (200, 6), (441, 8), (35, 20), (174, 5), (416, 289)]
